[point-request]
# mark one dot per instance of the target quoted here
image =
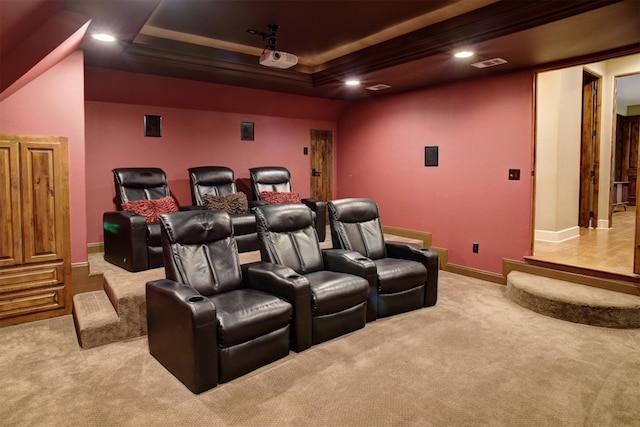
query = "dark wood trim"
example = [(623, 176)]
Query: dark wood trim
[(94, 248), (495, 20), (409, 234), (475, 273)]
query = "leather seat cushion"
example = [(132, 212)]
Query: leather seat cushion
[(243, 224), (333, 292), (397, 275), (245, 314)]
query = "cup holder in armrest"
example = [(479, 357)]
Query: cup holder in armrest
[(362, 259), (292, 276), (195, 298)]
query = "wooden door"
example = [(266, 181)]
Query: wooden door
[(589, 152), (10, 237), (630, 135), (630, 129), (321, 164)]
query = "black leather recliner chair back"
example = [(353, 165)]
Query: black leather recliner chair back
[(270, 178), (220, 181), (215, 180), (278, 179), (139, 184)]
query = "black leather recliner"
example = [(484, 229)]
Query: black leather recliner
[(407, 276), (278, 179), (129, 241), (327, 288), (220, 181), (205, 324)]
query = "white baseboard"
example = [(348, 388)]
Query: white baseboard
[(557, 236), (603, 224)]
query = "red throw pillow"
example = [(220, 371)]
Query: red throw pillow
[(146, 208), (165, 205), (276, 198), (150, 209)]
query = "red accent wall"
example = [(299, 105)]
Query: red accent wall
[(53, 104), (190, 137), (483, 128)]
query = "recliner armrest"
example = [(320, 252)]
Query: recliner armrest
[(428, 257), (125, 240), (182, 333), (284, 282), (352, 262)]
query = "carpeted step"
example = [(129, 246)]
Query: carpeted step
[(95, 318), (118, 312), (574, 302)]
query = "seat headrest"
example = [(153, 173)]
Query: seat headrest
[(270, 175), (283, 218), (140, 177), (196, 226), (211, 175), (353, 210)]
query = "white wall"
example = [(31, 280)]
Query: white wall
[(558, 120)]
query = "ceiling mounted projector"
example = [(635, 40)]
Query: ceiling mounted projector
[(277, 59), (270, 56)]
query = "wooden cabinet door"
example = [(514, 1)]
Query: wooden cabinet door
[(45, 200), (10, 236)]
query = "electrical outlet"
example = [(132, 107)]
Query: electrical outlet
[(476, 248)]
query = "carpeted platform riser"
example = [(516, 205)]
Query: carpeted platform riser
[(610, 317)]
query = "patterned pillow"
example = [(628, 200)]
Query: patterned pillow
[(238, 203), (150, 209), (216, 203), (275, 198), (146, 208), (232, 204), (165, 205)]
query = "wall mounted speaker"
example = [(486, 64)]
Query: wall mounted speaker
[(431, 156)]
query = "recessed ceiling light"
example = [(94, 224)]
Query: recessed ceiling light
[(103, 37), (352, 82), (463, 54)]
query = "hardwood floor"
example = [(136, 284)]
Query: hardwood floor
[(606, 250)]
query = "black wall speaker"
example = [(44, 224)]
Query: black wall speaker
[(431, 156)]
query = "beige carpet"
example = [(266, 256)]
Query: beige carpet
[(474, 359)]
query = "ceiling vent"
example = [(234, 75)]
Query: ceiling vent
[(489, 63), (377, 87)]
